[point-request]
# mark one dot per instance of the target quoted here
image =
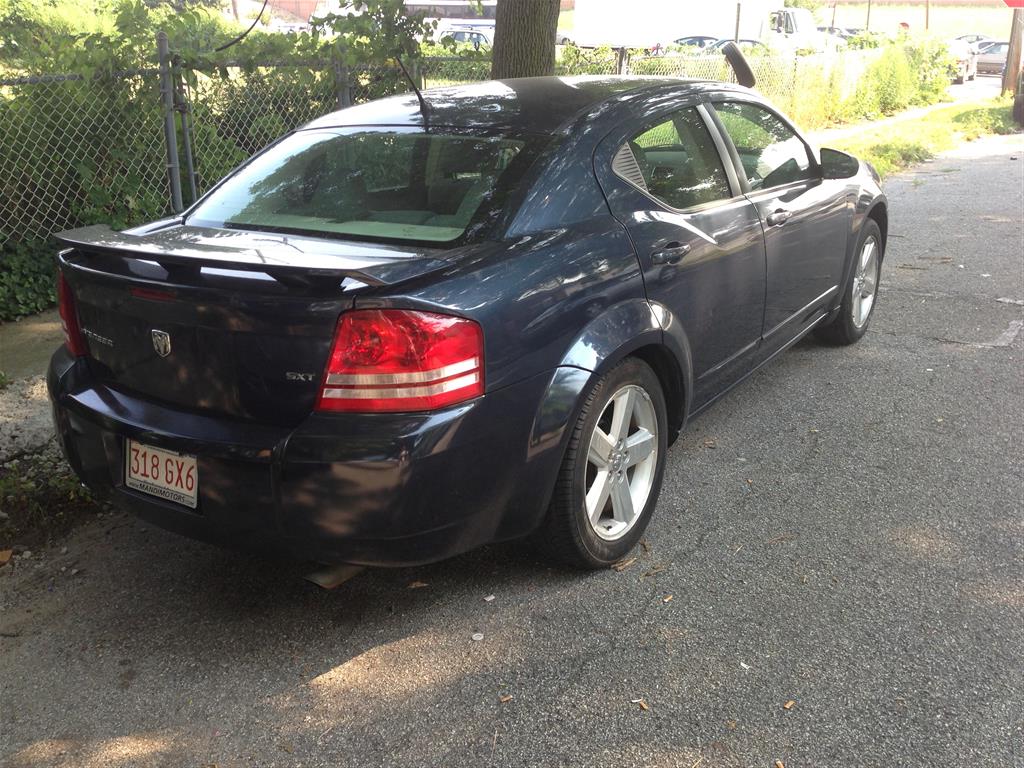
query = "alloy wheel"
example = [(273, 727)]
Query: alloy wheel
[(622, 459), (865, 283)]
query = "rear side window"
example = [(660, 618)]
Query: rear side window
[(676, 162), (771, 153)]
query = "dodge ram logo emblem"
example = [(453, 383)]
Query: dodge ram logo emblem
[(161, 342)]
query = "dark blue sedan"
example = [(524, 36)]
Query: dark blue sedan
[(406, 330)]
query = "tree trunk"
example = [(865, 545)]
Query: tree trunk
[(1013, 55), (524, 38)]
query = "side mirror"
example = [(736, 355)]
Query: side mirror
[(838, 165)]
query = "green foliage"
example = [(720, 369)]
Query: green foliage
[(906, 73), (450, 63), (811, 5), (587, 61), (933, 65), (381, 32), (865, 40), (26, 279), (994, 118)]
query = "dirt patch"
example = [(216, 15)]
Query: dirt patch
[(25, 421), (40, 499)]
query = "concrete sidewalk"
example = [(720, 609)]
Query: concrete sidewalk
[(981, 90)]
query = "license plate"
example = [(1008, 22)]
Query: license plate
[(165, 474)]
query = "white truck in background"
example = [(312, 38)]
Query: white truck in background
[(794, 29), (650, 23)]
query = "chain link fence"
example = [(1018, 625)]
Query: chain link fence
[(77, 151), (810, 89)]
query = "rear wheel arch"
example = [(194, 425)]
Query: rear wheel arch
[(631, 329), (880, 214), (669, 372)]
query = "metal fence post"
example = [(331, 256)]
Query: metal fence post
[(342, 87), (620, 61), (182, 105), (170, 135)]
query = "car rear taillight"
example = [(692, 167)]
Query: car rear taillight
[(73, 338), (402, 360)]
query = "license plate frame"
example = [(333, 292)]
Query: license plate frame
[(176, 474)]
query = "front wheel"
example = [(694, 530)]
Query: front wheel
[(611, 475), (862, 293)]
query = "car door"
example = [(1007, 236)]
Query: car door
[(698, 239), (806, 218)]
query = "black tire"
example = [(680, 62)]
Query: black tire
[(566, 534), (842, 329)]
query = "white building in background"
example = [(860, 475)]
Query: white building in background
[(447, 13), (645, 23)]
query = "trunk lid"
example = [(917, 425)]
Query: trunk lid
[(224, 322)]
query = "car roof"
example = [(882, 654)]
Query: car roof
[(531, 104)]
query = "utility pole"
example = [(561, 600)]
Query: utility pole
[(1013, 55), (867, 24), (834, 4), (927, 13)]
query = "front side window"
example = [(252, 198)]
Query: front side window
[(372, 184), (679, 162), (771, 153)]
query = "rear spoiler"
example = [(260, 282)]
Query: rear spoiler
[(740, 65), (277, 258)]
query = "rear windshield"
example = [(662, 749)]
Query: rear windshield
[(372, 184)]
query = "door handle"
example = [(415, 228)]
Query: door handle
[(779, 217), (672, 253)]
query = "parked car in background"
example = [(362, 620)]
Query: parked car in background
[(965, 60), (696, 41), (837, 31), (410, 328), (473, 36), (746, 45), (992, 58), (976, 40)]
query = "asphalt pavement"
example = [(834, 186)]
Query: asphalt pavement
[(834, 577)]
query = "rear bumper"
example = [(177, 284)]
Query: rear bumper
[(374, 489)]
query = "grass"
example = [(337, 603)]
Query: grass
[(896, 146)]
